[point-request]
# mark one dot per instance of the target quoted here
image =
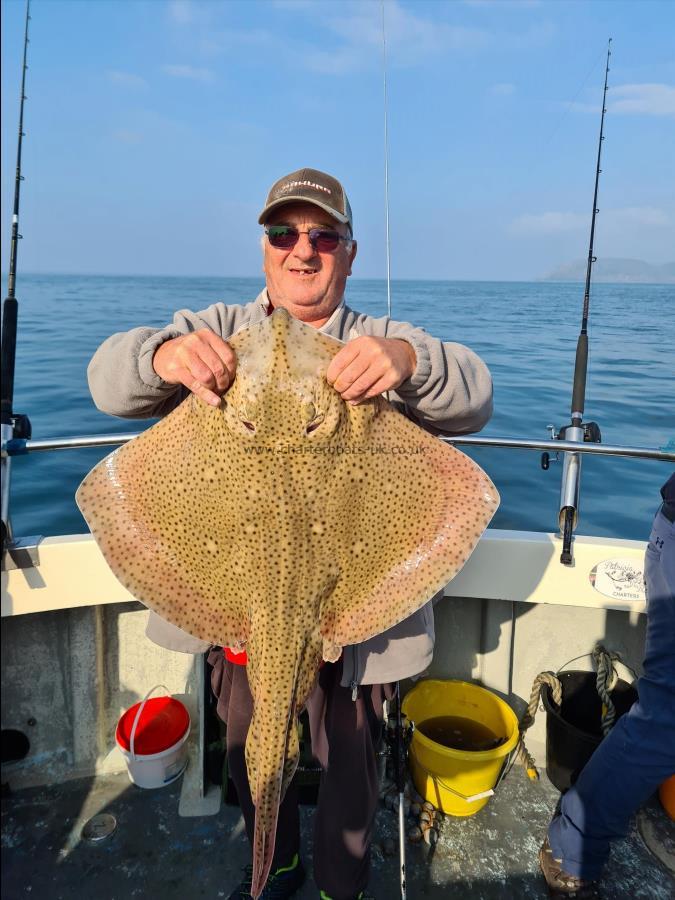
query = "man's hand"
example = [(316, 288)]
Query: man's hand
[(368, 366), (202, 361)]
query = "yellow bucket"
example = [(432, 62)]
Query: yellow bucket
[(459, 782)]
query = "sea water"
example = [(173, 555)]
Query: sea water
[(526, 333)]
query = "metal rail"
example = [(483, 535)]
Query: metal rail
[(664, 454)]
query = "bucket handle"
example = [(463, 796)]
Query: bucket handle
[(138, 715), (471, 798), (618, 661)]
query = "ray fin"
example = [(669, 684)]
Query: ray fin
[(438, 503), (164, 531)]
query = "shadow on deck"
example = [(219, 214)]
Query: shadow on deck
[(158, 855)]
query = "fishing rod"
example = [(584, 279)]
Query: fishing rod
[(579, 431), (386, 161), (14, 425)]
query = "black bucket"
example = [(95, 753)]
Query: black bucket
[(574, 731)]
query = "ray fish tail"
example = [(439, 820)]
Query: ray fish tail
[(272, 748)]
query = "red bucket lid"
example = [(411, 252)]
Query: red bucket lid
[(163, 722)]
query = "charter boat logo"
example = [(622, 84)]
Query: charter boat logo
[(621, 579)]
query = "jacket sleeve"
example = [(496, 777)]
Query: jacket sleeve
[(121, 378), (450, 391)]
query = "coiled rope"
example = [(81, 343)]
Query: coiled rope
[(605, 682), (550, 680)]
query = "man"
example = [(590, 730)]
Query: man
[(308, 252), (638, 754)]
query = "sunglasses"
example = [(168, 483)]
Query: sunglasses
[(283, 237)]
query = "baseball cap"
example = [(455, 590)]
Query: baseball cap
[(310, 186)]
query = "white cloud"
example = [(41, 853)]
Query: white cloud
[(412, 38), (533, 224), (635, 99), (547, 223), (127, 79), (642, 99), (503, 89), (641, 215), (347, 37), (355, 37), (406, 32), (193, 73)]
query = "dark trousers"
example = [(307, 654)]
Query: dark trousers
[(345, 736), (639, 752)]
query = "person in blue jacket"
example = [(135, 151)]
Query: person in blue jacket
[(639, 752)]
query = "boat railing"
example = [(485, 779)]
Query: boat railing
[(22, 552), (19, 447)]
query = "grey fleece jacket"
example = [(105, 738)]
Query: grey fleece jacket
[(450, 392)]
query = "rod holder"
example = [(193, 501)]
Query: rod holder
[(569, 492)]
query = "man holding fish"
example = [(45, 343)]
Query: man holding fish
[(308, 249)]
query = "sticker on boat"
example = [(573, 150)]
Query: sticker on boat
[(621, 579)]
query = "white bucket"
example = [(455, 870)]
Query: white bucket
[(154, 770)]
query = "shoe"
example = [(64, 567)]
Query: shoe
[(281, 884), (560, 884)]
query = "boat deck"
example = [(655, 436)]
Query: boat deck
[(155, 853)]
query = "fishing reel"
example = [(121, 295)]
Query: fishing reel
[(21, 427), (591, 432), (397, 738), (546, 456), (391, 730)]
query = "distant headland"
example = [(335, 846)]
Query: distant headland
[(617, 271)]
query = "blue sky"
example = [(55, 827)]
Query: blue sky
[(154, 130)]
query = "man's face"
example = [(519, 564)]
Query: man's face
[(307, 282)]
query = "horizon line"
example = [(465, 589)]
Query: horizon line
[(382, 278)]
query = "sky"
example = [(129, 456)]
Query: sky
[(154, 129)]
